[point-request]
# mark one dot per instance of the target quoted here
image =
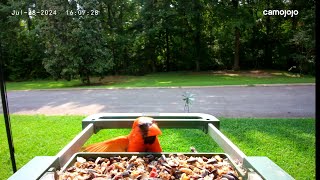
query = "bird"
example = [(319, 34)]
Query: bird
[(142, 138)]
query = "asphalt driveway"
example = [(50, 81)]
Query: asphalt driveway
[(259, 101)]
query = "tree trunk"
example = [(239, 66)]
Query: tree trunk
[(198, 54), (294, 18), (167, 51), (236, 66), (150, 46), (236, 41), (109, 16), (88, 79), (290, 61), (115, 67), (150, 55), (153, 59), (84, 75), (267, 49), (198, 34), (126, 60)]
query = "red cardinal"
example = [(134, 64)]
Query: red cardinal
[(142, 138)]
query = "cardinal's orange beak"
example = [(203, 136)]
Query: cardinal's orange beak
[(154, 130)]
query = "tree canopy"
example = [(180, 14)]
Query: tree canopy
[(80, 38)]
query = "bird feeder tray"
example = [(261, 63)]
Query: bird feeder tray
[(93, 157), (254, 167)]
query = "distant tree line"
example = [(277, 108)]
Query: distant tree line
[(82, 38)]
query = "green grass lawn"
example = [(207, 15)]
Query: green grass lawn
[(170, 79), (290, 143)]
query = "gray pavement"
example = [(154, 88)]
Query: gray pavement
[(259, 101)]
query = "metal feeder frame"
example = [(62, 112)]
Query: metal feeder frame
[(249, 167)]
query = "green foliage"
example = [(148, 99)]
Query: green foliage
[(303, 42), (20, 46), (139, 37), (81, 50)]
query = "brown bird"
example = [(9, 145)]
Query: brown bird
[(142, 138)]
